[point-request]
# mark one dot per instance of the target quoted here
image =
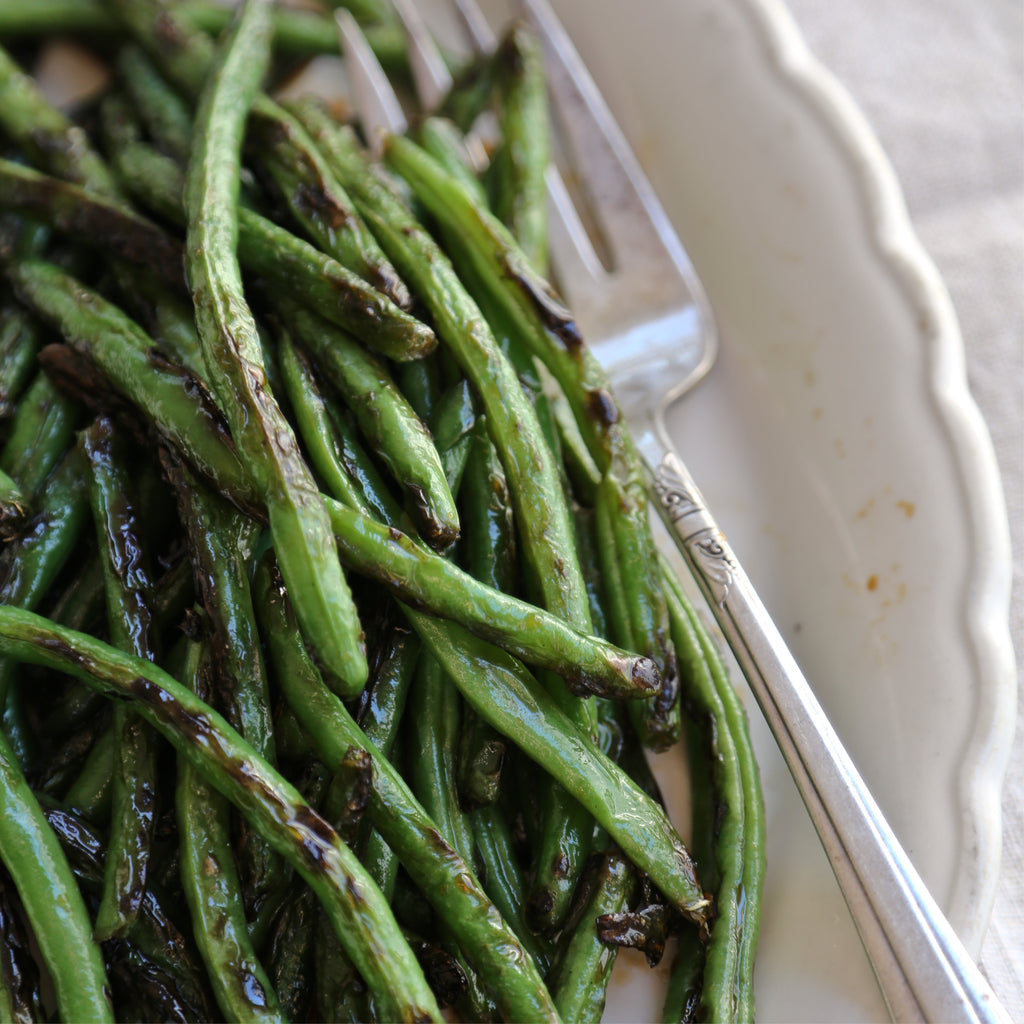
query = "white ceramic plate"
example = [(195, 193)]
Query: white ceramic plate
[(842, 454)]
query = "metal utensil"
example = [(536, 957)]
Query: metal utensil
[(646, 317)]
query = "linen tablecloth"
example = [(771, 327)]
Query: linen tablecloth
[(942, 83)]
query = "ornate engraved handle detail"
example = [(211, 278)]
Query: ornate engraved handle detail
[(683, 509)]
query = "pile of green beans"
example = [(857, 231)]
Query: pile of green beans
[(333, 629)]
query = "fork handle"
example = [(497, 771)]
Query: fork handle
[(923, 970)]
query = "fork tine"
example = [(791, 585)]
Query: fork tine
[(581, 276), (623, 201), (430, 75), (481, 36), (375, 100)]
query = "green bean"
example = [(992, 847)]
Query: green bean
[(385, 419), (545, 532), (445, 879), (234, 363), (82, 603), (454, 424), (221, 544), (284, 152), (296, 32), (290, 955), (52, 901), (46, 134), (364, 472), (380, 715), (739, 851), (30, 563), (579, 977), (503, 880), (522, 160), (91, 792), (165, 315), (19, 342), (128, 582), (162, 110), (511, 421), (155, 937), (272, 805), (294, 266), (21, 998), (432, 737), (588, 664), (222, 541), (441, 138), (504, 693), (211, 887), (481, 756), (471, 92), (14, 508), (490, 547), (40, 432), (550, 334), (682, 997), (169, 396), (314, 425), (431, 744)]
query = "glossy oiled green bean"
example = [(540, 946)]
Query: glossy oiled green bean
[(727, 989), (431, 739), (522, 160), (169, 396), (442, 875), (60, 921), (543, 518), (155, 946), (501, 691), (162, 110), (480, 244), (90, 793), (130, 622), (294, 266), (286, 154), (19, 342), (47, 134), (14, 507), (315, 426), (298, 523), (386, 421), (202, 737), (297, 32), (504, 879), (579, 978), (209, 878), (431, 582), (39, 434), (442, 139), (30, 563), (89, 217), (221, 545)]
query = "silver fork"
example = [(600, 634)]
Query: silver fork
[(647, 319)]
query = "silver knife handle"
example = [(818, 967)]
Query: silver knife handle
[(922, 968)]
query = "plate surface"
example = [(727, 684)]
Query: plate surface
[(838, 445)]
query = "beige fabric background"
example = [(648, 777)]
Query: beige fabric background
[(942, 82)]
